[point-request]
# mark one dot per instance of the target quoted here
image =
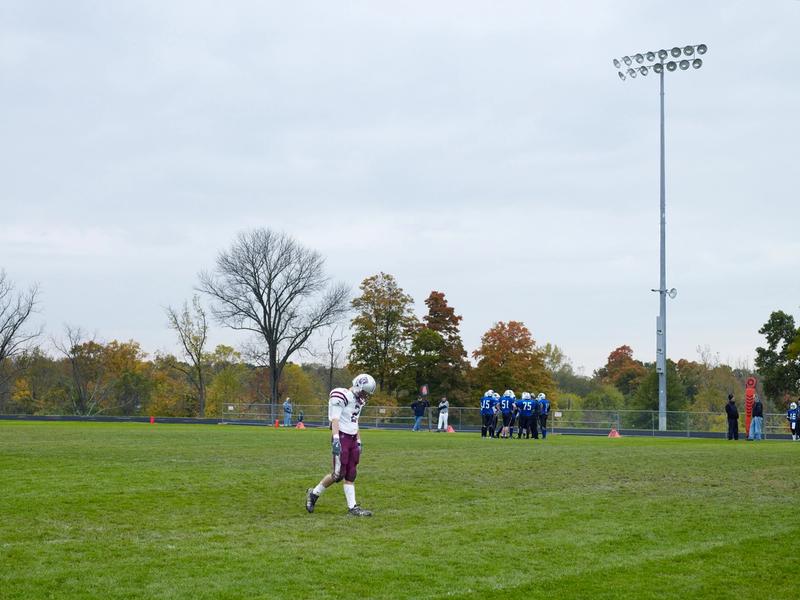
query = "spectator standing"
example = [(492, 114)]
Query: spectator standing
[(444, 406), (419, 412), (301, 416), (287, 412), (733, 418), (757, 422)]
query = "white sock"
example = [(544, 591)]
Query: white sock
[(350, 494), (319, 489)]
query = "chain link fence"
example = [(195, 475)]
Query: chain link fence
[(598, 422)]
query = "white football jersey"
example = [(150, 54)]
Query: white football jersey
[(343, 405)]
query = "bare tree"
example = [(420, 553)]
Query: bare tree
[(269, 284), (192, 329), (708, 358), (91, 387), (335, 348), (15, 309)]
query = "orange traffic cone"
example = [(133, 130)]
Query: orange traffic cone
[(450, 429), (277, 424), (300, 425), (614, 433)]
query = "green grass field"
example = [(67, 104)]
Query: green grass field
[(94, 510)]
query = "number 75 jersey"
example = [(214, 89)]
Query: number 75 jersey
[(343, 405)]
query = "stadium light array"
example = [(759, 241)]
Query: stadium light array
[(657, 61), (661, 62)]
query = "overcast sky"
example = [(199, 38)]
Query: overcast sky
[(484, 149)]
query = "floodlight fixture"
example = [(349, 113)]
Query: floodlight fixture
[(662, 61)]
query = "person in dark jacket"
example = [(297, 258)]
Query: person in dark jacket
[(419, 411), (757, 422), (733, 418)]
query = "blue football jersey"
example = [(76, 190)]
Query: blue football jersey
[(525, 407), (544, 406), (506, 404), (792, 414), (487, 403)]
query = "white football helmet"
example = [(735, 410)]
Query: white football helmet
[(541, 396), (793, 405), (489, 393), (363, 386), (526, 395), (509, 393), (496, 395)]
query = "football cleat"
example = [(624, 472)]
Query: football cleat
[(311, 500), (357, 511)]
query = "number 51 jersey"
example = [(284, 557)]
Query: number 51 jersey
[(343, 405)]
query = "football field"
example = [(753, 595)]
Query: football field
[(93, 510)]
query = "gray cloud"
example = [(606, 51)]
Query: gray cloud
[(485, 150)]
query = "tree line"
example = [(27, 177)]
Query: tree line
[(276, 290)]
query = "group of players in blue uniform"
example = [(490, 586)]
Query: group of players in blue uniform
[(500, 413)]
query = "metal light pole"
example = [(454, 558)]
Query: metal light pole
[(656, 63)]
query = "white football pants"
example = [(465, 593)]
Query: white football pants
[(442, 420)]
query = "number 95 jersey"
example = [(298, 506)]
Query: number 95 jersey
[(343, 405)]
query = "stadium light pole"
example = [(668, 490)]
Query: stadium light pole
[(658, 63)]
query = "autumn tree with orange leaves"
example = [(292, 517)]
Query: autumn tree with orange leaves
[(622, 371), (508, 359)]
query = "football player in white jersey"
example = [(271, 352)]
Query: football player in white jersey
[(344, 408)]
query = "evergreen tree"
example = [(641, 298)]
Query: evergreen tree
[(778, 364), (382, 330)]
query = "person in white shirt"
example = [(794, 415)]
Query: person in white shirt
[(444, 405), (344, 408)]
